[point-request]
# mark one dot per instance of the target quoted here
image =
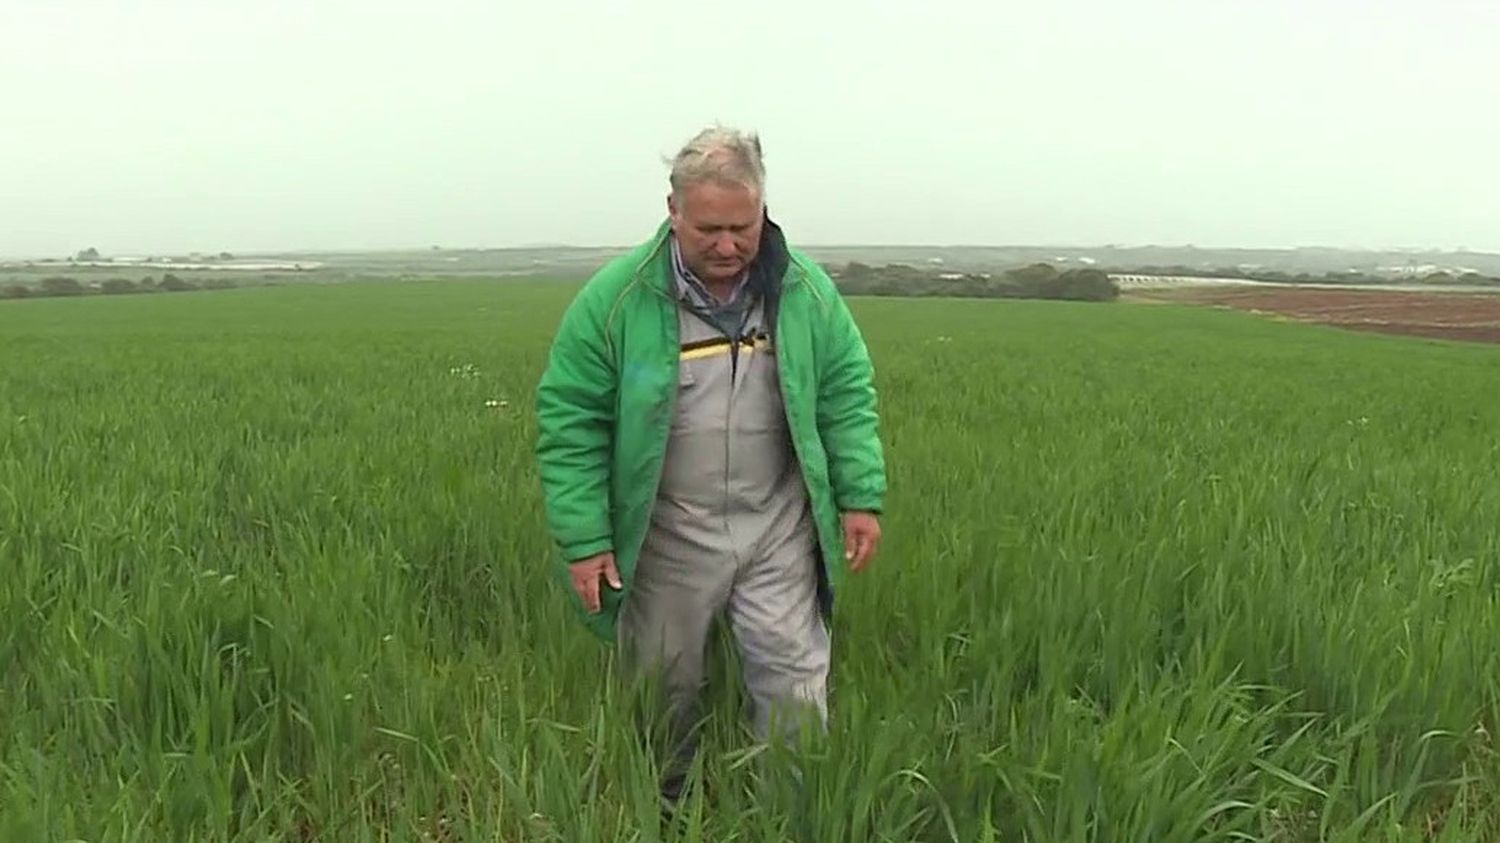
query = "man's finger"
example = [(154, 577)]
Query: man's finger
[(611, 574), (867, 544), (590, 594)]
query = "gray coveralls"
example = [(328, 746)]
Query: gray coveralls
[(732, 529)]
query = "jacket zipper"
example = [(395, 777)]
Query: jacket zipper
[(786, 404), (664, 425)]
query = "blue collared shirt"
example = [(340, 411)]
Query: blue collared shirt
[(727, 315), (689, 283)]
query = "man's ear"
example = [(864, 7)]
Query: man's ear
[(672, 206)]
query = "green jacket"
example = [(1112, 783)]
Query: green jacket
[(605, 401)]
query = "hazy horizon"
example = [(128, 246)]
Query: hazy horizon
[(168, 127)]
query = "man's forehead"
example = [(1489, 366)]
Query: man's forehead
[(723, 219), (708, 195)]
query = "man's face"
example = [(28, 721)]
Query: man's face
[(718, 227)]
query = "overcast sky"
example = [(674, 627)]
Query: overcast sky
[(249, 125)]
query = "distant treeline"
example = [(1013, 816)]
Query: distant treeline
[(1037, 281), (1347, 277), (63, 286)]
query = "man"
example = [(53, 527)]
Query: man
[(708, 444)]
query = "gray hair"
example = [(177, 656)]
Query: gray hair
[(722, 155)]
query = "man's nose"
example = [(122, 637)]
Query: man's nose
[(724, 246)]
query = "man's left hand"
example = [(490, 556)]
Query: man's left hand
[(861, 536)]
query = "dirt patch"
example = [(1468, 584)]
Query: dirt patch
[(1472, 317)]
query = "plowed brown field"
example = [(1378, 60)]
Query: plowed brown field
[(1473, 317)]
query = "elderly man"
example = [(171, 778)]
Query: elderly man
[(708, 445)]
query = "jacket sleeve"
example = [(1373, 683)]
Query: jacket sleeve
[(847, 417), (575, 400)]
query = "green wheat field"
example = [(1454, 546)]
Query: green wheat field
[(273, 568)]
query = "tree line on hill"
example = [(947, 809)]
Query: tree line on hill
[(1036, 281), (64, 286)]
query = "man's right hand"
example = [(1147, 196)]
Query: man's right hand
[(586, 574)]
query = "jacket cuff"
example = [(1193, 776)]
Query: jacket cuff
[(578, 551), (871, 505)]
